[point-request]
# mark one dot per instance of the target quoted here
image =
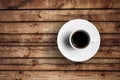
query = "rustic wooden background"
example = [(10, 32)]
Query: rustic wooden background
[(28, 31)]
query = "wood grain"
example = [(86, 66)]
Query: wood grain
[(59, 15), (58, 64), (66, 75), (30, 62), (49, 39), (51, 52), (52, 27), (58, 4), (28, 35)]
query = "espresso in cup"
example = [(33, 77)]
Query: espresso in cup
[(79, 39)]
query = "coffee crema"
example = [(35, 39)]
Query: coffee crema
[(80, 39)]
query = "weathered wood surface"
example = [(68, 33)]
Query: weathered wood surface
[(52, 27), (59, 64), (59, 15), (51, 52), (58, 4), (28, 34), (66, 75)]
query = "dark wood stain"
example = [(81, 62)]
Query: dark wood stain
[(22, 3), (103, 74)]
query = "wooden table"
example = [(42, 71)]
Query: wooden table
[(28, 31)]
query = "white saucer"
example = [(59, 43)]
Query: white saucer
[(65, 47)]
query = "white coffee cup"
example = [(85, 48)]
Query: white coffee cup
[(80, 39)]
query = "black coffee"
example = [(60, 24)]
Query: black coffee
[(80, 39)]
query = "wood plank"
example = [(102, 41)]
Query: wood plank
[(59, 75), (49, 39), (59, 64), (51, 52), (39, 61), (51, 67), (59, 15), (28, 39), (107, 39), (58, 4), (52, 27)]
